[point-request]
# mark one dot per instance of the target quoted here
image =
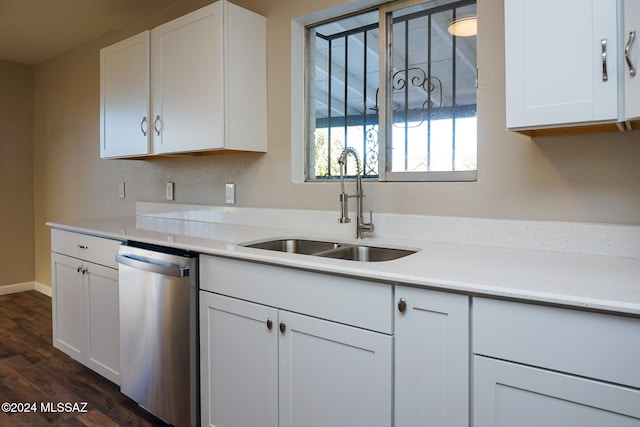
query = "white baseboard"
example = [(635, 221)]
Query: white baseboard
[(42, 288), (17, 287), (26, 286)]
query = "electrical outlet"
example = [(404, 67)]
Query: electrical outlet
[(230, 193), (170, 188), (121, 194)]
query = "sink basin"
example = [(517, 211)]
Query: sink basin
[(332, 249), (366, 253), (297, 246)]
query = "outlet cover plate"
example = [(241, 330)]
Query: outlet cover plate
[(230, 193), (170, 188)]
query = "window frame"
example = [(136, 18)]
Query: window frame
[(301, 89)]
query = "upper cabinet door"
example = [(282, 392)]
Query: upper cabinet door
[(561, 62), (187, 82), (124, 98), (632, 61)]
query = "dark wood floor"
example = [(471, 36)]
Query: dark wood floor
[(32, 371)]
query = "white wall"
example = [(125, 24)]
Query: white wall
[(16, 174)]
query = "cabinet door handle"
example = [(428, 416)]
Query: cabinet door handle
[(83, 247), (143, 128), (627, 51), (79, 269), (155, 125), (269, 324), (402, 305), (85, 271), (283, 327), (605, 76)]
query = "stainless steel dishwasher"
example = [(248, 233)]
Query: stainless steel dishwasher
[(159, 366)]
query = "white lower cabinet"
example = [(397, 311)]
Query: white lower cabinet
[(332, 374), (239, 362), (548, 366), (293, 348), (432, 358), (510, 394), (68, 305), (85, 301), (266, 364), (102, 325)]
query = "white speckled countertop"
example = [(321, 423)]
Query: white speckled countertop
[(580, 265)]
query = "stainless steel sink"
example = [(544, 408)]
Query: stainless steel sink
[(334, 250)]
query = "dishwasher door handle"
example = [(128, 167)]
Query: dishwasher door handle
[(146, 264)]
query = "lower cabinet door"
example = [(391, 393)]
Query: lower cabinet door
[(68, 306), (239, 362), (507, 394), (431, 358), (332, 374), (103, 326)]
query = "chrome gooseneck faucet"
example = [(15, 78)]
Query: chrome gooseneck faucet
[(361, 226)]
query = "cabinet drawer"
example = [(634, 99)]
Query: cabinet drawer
[(95, 249), (350, 301), (593, 345), (509, 394)]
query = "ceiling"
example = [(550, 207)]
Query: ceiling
[(33, 31)]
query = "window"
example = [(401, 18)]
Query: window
[(416, 121)]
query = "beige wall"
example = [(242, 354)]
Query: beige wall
[(16, 174), (593, 178)]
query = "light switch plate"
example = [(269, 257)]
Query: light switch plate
[(230, 193)]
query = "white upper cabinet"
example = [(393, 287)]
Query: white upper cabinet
[(564, 63), (632, 62), (124, 98), (207, 73), (187, 86)]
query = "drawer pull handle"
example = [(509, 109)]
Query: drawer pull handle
[(155, 125), (402, 305), (605, 76), (143, 127), (83, 247), (627, 51)]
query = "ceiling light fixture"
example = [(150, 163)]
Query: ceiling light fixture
[(464, 27)]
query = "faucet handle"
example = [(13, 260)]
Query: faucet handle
[(368, 226)]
